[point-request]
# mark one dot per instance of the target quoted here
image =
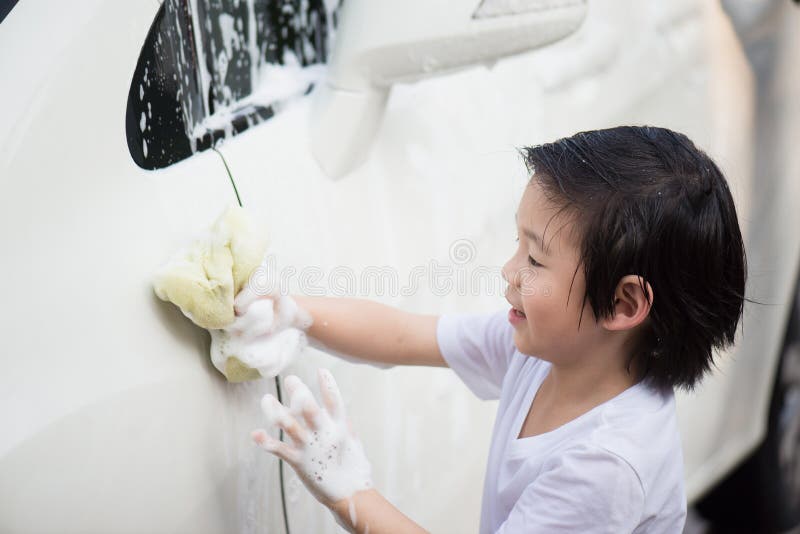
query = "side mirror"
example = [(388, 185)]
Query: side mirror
[(380, 43)]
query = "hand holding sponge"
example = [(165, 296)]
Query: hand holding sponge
[(252, 335)]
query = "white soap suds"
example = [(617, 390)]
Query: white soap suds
[(267, 334), (277, 84), (300, 398), (260, 318), (257, 347), (277, 414), (230, 37), (274, 85), (293, 488)]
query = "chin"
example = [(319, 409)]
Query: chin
[(522, 346)]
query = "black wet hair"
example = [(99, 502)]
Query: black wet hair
[(646, 201)]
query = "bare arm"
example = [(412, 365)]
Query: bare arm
[(369, 511), (373, 331)]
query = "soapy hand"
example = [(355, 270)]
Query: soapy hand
[(211, 282), (266, 335), (323, 451), (284, 311)]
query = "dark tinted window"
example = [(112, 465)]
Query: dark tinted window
[(5, 8), (210, 69)]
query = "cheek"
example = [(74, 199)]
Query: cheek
[(537, 282), (536, 311), (537, 297)]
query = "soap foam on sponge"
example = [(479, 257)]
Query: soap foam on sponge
[(203, 280), (263, 339)]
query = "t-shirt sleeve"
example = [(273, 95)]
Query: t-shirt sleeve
[(478, 347), (587, 489)]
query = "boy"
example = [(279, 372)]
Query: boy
[(629, 272)]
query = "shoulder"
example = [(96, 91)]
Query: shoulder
[(479, 348), (483, 329), (641, 427)]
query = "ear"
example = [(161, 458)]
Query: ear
[(633, 299)]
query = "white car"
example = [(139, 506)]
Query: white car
[(399, 165)]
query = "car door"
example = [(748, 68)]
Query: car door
[(113, 418)]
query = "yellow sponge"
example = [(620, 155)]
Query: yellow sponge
[(203, 279), (236, 371), (246, 247)]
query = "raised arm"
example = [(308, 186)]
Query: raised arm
[(372, 331), (369, 511)]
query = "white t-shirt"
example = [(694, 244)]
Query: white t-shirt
[(617, 468)]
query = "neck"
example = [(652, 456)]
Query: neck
[(599, 377)]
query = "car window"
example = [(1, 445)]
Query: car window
[(210, 69), (5, 8)]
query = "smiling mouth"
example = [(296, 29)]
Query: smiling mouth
[(516, 311)]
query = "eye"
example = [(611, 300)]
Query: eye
[(533, 262)]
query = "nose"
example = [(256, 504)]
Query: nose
[(509, 273)]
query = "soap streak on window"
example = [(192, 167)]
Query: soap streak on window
[(210, 69)]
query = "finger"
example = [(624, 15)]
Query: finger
[(279, 416), (259, 436), (301, 401), (330, 394), (247, 296), (278, 448), (256, 320), (244, 299)]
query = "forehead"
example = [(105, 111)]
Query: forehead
[(550, 221)]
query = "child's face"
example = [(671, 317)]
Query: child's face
[(547, 286)]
